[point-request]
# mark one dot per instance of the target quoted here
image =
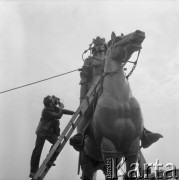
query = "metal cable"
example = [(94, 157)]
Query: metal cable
[(38, 81)]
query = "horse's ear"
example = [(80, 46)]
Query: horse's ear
[(113, 35)]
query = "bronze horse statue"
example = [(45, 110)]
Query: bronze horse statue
[(117, 123)]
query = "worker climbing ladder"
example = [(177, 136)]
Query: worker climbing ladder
[(76, 118)]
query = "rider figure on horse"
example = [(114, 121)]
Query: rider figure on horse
[(94, 66)]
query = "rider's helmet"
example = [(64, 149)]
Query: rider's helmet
[(99, 45), (48, 100)]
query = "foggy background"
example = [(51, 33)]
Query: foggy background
[(40, 39)]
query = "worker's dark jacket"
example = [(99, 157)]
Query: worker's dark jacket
[(49, 122), (48, 118)]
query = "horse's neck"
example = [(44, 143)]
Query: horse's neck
[(115, 83)]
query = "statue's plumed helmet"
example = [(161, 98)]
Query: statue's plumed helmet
[(97, 41), (47, 101)]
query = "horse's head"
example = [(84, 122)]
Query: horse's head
[(122, 47)]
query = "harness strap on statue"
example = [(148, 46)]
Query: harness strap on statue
[(134, 65)]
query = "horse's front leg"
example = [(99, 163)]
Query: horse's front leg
[(90, 166), (131, 158), (131, 171), (111, 158)]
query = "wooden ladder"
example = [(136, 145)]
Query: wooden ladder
[(67, 132)]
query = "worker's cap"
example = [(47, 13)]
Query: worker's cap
[(48, 100)]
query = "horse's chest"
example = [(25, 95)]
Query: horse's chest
[(118, 110), (123, 110)]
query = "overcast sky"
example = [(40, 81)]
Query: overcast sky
[(40, 39)]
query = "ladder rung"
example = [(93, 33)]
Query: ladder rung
[(87, 99), (65, 138), (48, 166), (73, 125)]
